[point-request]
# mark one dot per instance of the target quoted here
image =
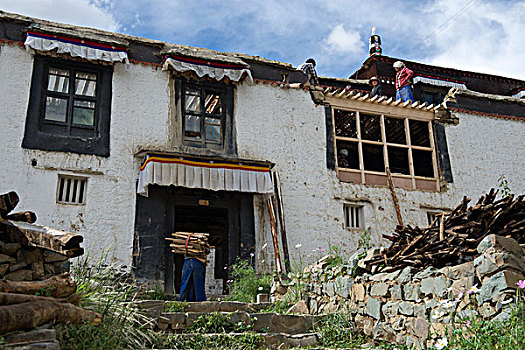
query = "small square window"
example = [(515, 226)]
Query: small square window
[(354, 217), (434, 217), (71, 189)]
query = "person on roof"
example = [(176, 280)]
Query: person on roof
[(403, 76), (377, 88), (308, 68)]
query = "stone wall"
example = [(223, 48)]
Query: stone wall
[(409, 306), (20, 263)]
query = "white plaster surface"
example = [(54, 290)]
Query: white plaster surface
[(279, 125)]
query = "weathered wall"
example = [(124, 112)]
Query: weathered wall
[(139, 119)]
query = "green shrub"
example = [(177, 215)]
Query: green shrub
[(337, 330), (216, 322), (245, 284), (247, 341)]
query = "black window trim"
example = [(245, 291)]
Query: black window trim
[(36, 138)]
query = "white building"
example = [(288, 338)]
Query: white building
[(86, 135)]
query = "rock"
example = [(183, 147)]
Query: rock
[(434, 285), (398, 323), (50, 256), (233, 306), (285, 341), (343, 286), (396, 292), (378, 277), (418, 327), (239, 317), (486, 310), (413, 343), (499, 243), (152, 308), (383, 331), (30, 255), (313, 306), (178, 320), (291, 324), (18, 266), (20, 275), (406, 309), (460, 271), (358, 292), (370, 254), (429, 271), (406, 275), (493, 286), (329, 288), (365, 323), (411, 292), (11, 248), (202, 306), (379, 289), (49, 269), (300, 308), (373, 308), (38, 269), (420, 310), (6, 259), (390, 309), (462, 285), (62, 266)]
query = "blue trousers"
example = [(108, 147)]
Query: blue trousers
[(193, 278), (405, 94)]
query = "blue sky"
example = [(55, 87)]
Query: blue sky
[(477, 35)]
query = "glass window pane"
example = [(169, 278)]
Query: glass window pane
[(373, 158), (212, 103), (423, 163), (192, 126), (84, 112), (193, 100), (370, 127), (419, 135), (395, 131), (213, 132), (345, 123), (58, 80), (398, 160), (347, 154), (85, 84), (56, 109)]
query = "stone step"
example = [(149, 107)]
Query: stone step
[(259, 322), (268, 340), (155, 307)]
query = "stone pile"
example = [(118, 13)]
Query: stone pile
[(402, 306)]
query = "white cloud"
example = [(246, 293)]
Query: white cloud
[(344, 41), (78, 12)]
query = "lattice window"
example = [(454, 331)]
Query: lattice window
[(71, 189), (354, 217)]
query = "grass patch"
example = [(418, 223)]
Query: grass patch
[(337, 330), (248, 341), (246, 284)]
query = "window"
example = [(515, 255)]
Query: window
[(203, 114), (368, 143), (354, 217), (69, 107), (71, 189), (435, 216)]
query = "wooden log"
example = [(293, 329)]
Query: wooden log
[(12, 298), (60, 286), (8, 202), (273, 227), (280, 212), (394, 197), (43, 237), (30, 315), (25, 216)]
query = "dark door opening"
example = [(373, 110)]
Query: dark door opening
[(203, 219)]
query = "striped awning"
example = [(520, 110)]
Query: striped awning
[(437, 81), (89, 50), (214, 70), (192, 172), (520, 93)]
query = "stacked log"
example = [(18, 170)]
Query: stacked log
[(21, 309), (193, 245), (453, 237)]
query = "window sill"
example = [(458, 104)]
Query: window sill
[(380, 179)]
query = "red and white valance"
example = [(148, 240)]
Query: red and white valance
[(436, 81), (214, 70), (520, 93), (216, 175), (89, 50)]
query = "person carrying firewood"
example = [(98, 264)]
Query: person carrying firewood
[(193, 279), (403, 76)]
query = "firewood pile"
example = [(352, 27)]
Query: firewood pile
[(25, 305), (194, 245), (453, 238)]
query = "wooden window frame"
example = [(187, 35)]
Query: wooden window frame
[(369, 177), (65, 136)]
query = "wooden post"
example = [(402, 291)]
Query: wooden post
[(441, 226), (394, 197), (273, 226), (280, 212)]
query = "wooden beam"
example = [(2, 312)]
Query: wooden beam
[(273, 226), (280, 212), (394, 197)]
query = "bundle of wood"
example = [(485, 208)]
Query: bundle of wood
[(21, 308), (19, 228), (194, 245), (454, 237)]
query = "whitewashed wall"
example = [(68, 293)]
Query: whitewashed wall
[(139, 119), (279, 125), (287, 129)]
